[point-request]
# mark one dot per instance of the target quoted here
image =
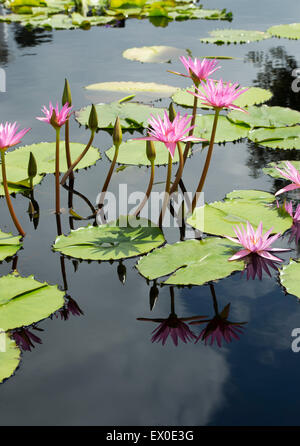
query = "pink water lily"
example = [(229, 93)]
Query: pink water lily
[(289, 209), (198, 69), (59, 118), (168, 132), (219, 94), (9, 135), (291, 173), (255, 242)]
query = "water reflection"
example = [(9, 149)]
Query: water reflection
[(256, 265), (25, 37), (3, 44), (25, 338)]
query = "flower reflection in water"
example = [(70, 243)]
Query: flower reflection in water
[(25, 339), (70, 308), (256, 265)]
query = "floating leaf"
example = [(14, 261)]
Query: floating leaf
[(278, 138), (10, 356), (131, 115), (24, 300), (239, 207), (291, 31), (289, 277), (44, 153), (254, 95), (147, 87), (226, 130), (270, 170), (109, 242), (9, 245), (134, 153), (221, 36), (192, 262), (265, 116), (153, 54), (17, 177)]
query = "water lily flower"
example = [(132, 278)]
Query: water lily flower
[(255, 242), (198, 70), (55, 117), (291, 173), (295, 229), (9, 136), (219, 94), (168, 132)]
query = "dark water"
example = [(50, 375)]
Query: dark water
[(101, 368)]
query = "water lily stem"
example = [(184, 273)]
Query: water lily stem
[(57, 191), (7, 196), (148, 192), (188, 144), (180, 170), (167, 191), (67, 145), (207, 161), (108, 178)]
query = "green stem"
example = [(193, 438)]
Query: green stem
[(57, 191), (7, 196), (67, 144), (180, 170), (188, 144), (148, 192), (208, 159), (167, 191), (108, 178)]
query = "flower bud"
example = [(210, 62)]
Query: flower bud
[(93, 119), (53, 120), (150, 151), (117, 133), (32, 166), (67, 97), (172, 112)]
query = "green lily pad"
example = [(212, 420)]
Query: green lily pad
[(238, 208), (9, 245), (192, 262), (17, 177), (289, 277), (109, 242), (153, 54), (24, 300), (277, 138), (226, 130), (266, 116), (44, 153), (134, 153), (221, 36), (291, 31), (131, 115), (133, 87), (270, 170), (254, 95), (10, 356)]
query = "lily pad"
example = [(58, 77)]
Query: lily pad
[(134, 153), (254, 95), (153, 54), (9, 245), (133, 87), (10, 356), (266, 116), (44, 153), (131, 115), (270, 170), (221, 36), (226, 130), (239, 207), (291, 31), (24, 300), (17, 177), (278, 138), (109, 242), (289, 277), (192, 262)]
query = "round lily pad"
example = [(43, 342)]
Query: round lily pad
[(291, 31), (10, 356), (278, 138), (270, 169), (226, 130), (266, 116), (9, 245), (109, 242), (289, 277), (153, 54), (17, 177), (133, 87), (221, 36)]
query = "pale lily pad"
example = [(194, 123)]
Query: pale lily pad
[(277, 138), (265, 116), (153, 54), (238, 208), (9, 245), (291, 31), (24, 300), (270, 169), (134, 87), (17, 177), (109, 242), (44, 153), (10, 356), (289, 277), (134, 153), (226, 130), (221, 36), (254, 95), (131, 115), (192, 262)]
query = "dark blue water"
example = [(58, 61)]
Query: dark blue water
[(100, 368)]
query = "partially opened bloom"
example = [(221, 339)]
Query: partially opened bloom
[(55, 117), (170, 133), (291, 173), (198, 70), (9, 135), (255, 242), (219, 94)]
